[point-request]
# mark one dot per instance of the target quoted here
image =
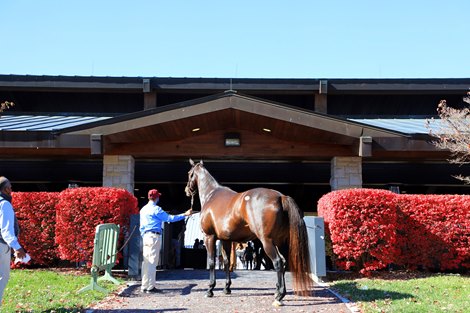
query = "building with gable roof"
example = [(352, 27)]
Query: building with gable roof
[(303, 137)]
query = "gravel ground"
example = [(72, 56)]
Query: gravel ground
[(184, 290)]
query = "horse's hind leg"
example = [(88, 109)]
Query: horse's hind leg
[(279, 266), (210, 246), (227, 246), (233, 257)]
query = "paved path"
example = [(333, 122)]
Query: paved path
[(184, 290)]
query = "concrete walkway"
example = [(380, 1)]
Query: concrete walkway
[(184, 290)]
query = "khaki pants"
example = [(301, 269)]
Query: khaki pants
[(151, 252), (5, 258)]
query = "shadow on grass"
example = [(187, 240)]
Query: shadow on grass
[(355, 292)]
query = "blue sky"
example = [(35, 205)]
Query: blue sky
[(236, 39)]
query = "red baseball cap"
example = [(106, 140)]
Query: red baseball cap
[(154, 194)]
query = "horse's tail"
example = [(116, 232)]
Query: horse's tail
[(299, 256)]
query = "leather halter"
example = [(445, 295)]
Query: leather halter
[(188, 190)]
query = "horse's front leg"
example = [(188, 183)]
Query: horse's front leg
[(209, 241), (227, 246)]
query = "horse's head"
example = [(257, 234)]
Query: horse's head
[(192, 178)]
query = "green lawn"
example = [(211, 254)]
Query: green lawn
[(52, 291), (49, 291), (436, 293)]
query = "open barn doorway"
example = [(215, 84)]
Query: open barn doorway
[(305, 182)]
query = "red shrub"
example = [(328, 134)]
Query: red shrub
[(80, 210), (35, 212), (434, 231), (361, 224), (371, 228)]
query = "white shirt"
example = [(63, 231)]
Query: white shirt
[(7, 224)]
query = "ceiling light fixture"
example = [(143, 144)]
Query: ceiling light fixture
[(232, 140), (267, 130), (195, 129)]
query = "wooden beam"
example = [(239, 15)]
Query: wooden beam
[(403, 144), (64, 141), (35, 152)]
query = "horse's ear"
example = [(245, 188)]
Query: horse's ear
[(191, 162), (201, 162)]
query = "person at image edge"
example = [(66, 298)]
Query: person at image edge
[(8, 235)]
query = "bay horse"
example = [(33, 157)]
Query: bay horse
[(260, 213)]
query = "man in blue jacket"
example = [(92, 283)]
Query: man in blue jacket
[(8, 235), (151, 218)]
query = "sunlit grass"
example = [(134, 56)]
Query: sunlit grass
[(437, 293), (49, 291)]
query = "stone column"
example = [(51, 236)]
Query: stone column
[(118, 171), (346, 172)]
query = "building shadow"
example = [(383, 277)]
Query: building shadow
[(359, 293)]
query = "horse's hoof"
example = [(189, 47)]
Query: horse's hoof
[(227, 291), (209, 294), (277, 303)]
